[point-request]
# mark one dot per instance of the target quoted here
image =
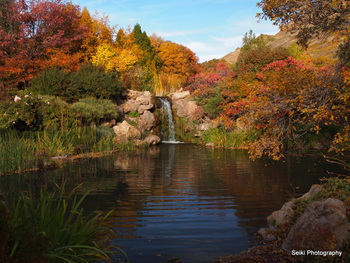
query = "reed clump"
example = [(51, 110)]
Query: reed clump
[(51, 226)]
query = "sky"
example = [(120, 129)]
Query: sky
[(210, 28)]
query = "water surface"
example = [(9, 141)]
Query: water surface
[(183, 201)]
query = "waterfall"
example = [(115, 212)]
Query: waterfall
[(166, 106)]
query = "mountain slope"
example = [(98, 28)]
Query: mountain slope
[(320, 49)]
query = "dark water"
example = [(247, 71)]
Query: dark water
[(183, 201)]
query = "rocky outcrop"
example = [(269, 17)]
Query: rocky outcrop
[(323, 226), (139, 121), (137, 101)]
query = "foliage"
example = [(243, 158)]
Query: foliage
[(99, 32), (310, 19), (53, 228), (21, 151), (228, 139), (255, 54), (88, 81), (178, 63), (29, 29), (32, 112), (93, 110)]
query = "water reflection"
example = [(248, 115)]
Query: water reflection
[(183, 201)]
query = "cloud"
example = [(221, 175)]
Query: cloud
[(233, 41)]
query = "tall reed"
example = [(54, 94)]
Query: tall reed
[(228, 139), (53, 226), (21, 151)]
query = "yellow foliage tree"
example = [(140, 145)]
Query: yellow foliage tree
[(114, 59), (99, 31)]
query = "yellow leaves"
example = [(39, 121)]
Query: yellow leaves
[(124, 60), (114, 59)]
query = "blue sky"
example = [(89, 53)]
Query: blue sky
[(210, 28)]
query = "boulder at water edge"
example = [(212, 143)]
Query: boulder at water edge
[(125, 131), (323, 226)]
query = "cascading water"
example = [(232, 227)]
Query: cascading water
[(166, 106)]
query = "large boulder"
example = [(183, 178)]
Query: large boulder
[(152, 139), (323, 226), (282, 216), (125, 132), (146, 121), (183, 105)]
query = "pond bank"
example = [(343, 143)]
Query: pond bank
[(312, 228)]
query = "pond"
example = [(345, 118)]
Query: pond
[(183, 201)]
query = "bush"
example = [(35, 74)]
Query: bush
[(93, 110), (88, 81), (34, 113)]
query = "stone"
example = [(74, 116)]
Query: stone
[(282, 216), (138, 101), (266, 234), (185, 107), (315, 189), (125, 131), (152, 139), (110, 124), (286, 213), (323, 226), (146, 121), (180, 94)]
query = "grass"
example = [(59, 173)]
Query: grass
[(227, 139), (52, 227), (20, 151)]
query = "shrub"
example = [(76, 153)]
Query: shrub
[(95, 110), (88, 81), (33, 112)]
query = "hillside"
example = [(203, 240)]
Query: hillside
[(319, 48)]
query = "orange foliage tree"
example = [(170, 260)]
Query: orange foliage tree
[(177, 64)]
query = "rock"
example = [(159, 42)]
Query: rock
[(137, 101), (286, 213), (124, 132), (109, 123), (282, 216), (266, 234), (323, 226), (152, 139), (315, 189), (146, 121), (185, 107), (131, 106), (180, 94)]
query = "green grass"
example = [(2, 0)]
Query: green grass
[(228, 139), (20, 151)]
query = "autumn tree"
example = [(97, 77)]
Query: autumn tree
[(30, 31), (255, 54), (208, 85), (311, 19), (98, 32), (177, 64)]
